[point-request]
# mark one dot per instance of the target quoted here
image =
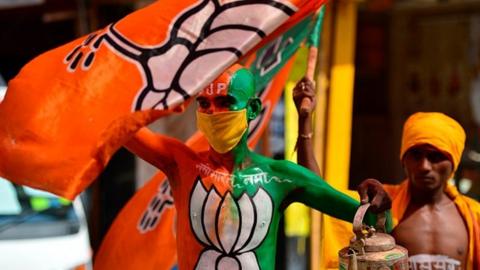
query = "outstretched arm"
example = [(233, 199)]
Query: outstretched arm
[(306, 158), (156, 149), (313, 191)]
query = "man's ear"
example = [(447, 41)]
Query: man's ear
[(254, 107)]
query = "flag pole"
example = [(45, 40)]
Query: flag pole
[(315, 220), (313, 42), (297, 216)]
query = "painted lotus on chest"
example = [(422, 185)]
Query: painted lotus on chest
[(229, 228)]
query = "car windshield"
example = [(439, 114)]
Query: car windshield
[(31, 213)]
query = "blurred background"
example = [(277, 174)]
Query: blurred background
[(407, 56)]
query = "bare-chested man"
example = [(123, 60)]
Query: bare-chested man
[(437, 225)]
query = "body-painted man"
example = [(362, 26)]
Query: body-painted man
[(438, 226), (229, 200)]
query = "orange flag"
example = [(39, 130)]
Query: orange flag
[(71, 108)]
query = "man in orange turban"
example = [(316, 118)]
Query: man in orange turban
[(437, 225), (433, 221)]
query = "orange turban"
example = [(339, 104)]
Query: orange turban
[(437, 130)]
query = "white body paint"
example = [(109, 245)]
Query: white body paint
[(229, 228), (432, 262)]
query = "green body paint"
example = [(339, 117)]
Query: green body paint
[(229, 203), (282, 181), (285, 182)]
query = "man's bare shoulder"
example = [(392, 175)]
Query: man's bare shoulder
[(286, 167), (173, 143), (276, 165)]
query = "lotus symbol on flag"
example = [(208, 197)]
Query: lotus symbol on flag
[(157, 206), (202, 36), (230, 229)]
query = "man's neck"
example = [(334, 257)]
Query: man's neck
[(420, 197), (238, 157)]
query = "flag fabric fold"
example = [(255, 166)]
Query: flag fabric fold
[(71, 108)]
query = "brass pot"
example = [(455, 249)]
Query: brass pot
[(372, 248)]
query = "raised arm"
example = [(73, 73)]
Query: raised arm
[(306, 158), (156, 149)]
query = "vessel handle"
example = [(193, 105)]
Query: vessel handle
[(358, 221)]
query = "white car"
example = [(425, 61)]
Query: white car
[(41, 231), (3, 90)]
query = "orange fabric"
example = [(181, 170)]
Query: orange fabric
[(337, 235), (469, 210), (400, 199), (126, 246), (435, 129), (71, 108)]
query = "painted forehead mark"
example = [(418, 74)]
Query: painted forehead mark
[(217, 87)]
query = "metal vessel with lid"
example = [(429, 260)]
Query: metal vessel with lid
[(372, 248)]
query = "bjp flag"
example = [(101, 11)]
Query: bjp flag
[(71, 108), (143, 234)]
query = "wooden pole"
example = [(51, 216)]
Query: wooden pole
[(319, 129)]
